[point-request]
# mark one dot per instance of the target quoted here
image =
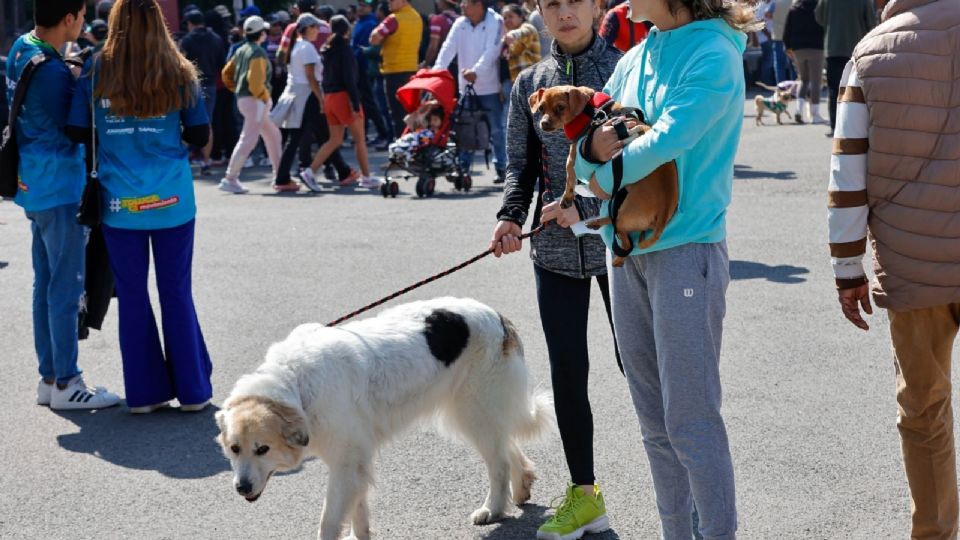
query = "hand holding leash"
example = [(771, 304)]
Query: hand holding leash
[(507, 238)]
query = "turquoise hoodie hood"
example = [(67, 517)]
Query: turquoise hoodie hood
[(689, 84)]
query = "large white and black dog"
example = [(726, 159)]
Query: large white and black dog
[(340, 393)]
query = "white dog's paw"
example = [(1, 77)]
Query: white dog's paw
[(483, 516)]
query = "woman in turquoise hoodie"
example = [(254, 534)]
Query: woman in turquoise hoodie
[(669, 300)]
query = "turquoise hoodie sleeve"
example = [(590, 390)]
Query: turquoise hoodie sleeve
[(701, 97)]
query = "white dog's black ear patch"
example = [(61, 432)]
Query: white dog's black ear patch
[(447, 334)]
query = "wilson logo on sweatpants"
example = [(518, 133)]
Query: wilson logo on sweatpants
[(688, 293)]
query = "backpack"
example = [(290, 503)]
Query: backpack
[(470, 123), (9, 150)]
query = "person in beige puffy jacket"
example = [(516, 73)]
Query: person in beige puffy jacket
[(895, 172)]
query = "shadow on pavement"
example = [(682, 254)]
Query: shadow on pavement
[(778, 274), (525, 525), (746, 172), (175, 444)]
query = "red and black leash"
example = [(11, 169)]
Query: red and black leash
[(430, 279)]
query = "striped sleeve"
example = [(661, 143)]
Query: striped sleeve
[(847, 208)]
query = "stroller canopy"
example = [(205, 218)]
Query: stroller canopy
[(438, 82)]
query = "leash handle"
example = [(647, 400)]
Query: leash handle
[(430, 279)]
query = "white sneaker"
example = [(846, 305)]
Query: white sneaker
[(44, 391), (310, 180), (370, 182), (195, 407), (248, 163), (265, 162), (78, 395), (233, 186), (147, 409)]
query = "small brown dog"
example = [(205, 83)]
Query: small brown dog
[(776, 104), (649, 203)]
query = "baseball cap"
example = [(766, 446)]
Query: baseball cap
[(306, 20), (250, 11), (194, 16), (325, 12), (98, 27), (254, 24), (281, 17)]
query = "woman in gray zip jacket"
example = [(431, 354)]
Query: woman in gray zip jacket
[(564, 265)]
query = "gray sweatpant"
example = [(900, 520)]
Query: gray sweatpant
[(668, 309)]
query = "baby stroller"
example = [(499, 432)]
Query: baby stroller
[(440, 157)]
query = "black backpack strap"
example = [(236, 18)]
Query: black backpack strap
[(23, 83)]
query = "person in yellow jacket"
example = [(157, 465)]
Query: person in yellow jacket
[(400, 34), (248, 76)]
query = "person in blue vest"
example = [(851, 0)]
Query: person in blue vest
[(143, 126), (51, 179)]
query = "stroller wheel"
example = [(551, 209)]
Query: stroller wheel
[(394, 189), (467, 183), (429, 186), (421, 189), (458, 183), (384, 190)]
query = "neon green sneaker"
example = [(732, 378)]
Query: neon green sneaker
[(577, 515)]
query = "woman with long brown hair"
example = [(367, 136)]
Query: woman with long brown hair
[(143, 101)]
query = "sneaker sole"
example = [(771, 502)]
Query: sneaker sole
[(598, 525), (83, 406), (147, 409)]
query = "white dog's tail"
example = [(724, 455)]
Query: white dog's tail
[(542, 417)]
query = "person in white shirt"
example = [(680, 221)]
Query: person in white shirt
[(474, 40), (299, 111)]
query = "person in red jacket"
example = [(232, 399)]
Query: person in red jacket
[(621, 32)]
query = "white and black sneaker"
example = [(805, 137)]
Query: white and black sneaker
[(78, 395), (44, 391)]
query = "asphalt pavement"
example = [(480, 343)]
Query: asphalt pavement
[(808, 399)]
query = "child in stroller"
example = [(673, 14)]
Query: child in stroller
[(426, 151), (421, 134)]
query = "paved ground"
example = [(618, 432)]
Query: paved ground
[(808, 398)]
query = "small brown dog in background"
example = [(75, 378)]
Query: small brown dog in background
[(649, 203), (776, 104)]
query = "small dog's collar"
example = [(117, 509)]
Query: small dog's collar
[(575, 127)]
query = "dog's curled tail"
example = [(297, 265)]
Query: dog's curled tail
[(541, 416)]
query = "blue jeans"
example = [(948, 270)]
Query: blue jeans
[(768, 73), (181, 368), (506, 86), (59, 253), (494, 107)]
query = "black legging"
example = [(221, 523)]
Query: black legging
[(370, 109), (391, 83), (564, 304), (312, 126)]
